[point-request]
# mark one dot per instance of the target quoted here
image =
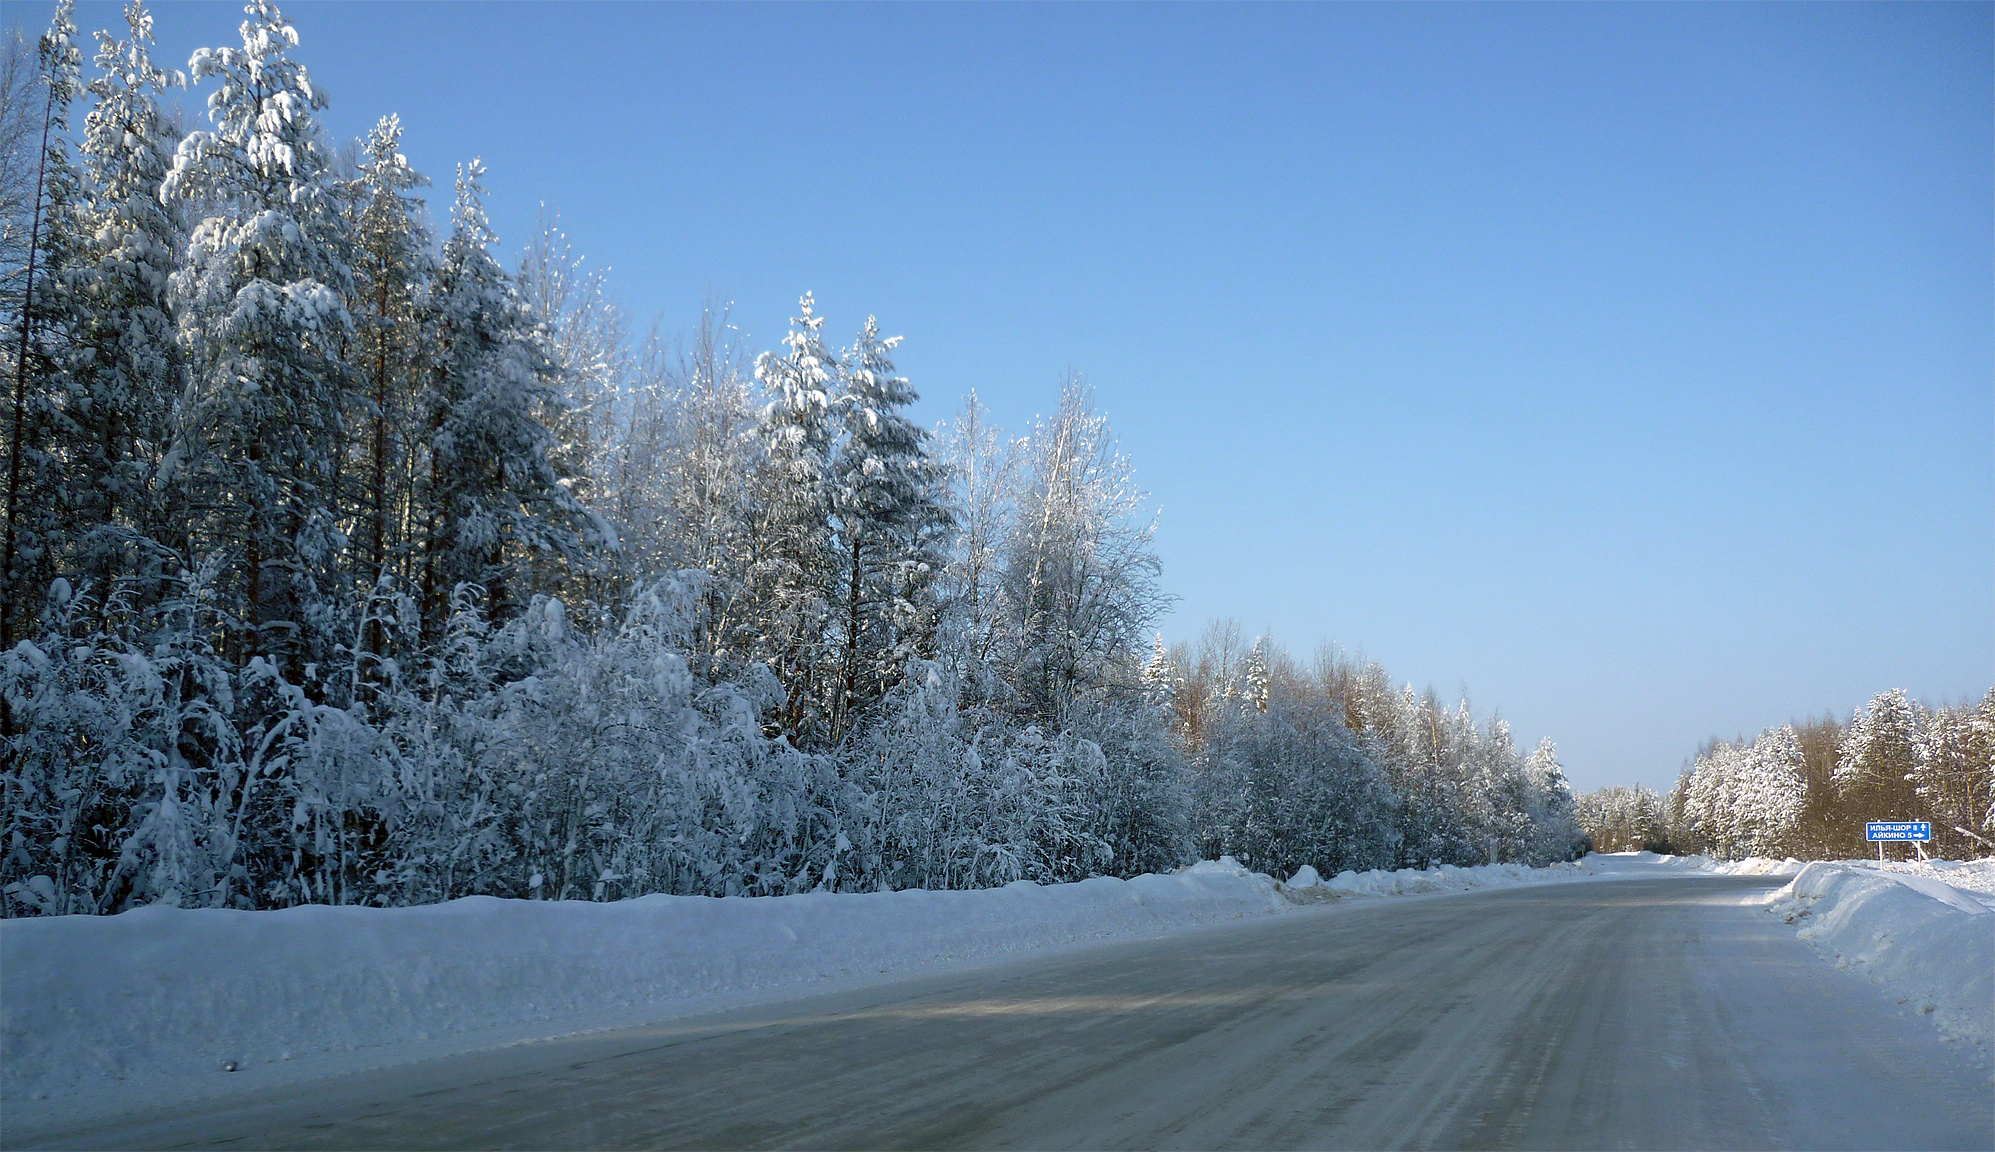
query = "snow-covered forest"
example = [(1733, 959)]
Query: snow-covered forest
[(1806, 789), (345, 564)]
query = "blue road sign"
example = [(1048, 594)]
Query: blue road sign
[(1898, 830)]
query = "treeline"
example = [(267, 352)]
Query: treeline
[(1807, 789), (1328, 764), (343, 564)]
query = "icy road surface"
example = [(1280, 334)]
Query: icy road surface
[(1655, 1013)]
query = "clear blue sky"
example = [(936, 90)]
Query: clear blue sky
[(1631, 366)]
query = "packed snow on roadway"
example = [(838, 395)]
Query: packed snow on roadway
[(161, 1002)]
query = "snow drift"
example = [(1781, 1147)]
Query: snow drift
[(181, 992), (1929, 943), (162, 999), (1448, 878)]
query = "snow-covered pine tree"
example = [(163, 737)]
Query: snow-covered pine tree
[(261, 304), (889, 502), (1712, 807), (38, 331), (492, 500), (85, 728), (392, 269), (1430, 822), (796, 568), (124, 364)]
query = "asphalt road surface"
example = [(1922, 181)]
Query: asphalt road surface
[(1651, 1013)]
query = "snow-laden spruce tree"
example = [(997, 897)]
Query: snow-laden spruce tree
[(1557, 833), (1771, 791), (1877, 764), (1256, 677), (795, 566), (123, 365), (888, 500), (261, 304), (492, 502)]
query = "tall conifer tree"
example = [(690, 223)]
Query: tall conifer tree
[(32, 537), (888, 498), (392, 270), (492, 499), (124, 363), (796, 569), (263, 323)]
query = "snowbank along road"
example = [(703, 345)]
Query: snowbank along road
[(1669, 1012)]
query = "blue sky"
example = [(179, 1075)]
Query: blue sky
[(1632, 367)]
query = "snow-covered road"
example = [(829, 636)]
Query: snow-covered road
[(1660, 1012)]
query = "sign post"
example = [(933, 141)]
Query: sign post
[(1886, 830)]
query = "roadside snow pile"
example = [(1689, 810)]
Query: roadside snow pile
[(162, 999), (1650, 864), (1757, 866), (1445, 878), (169, 992), (1928, 943), (1975, 876)]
